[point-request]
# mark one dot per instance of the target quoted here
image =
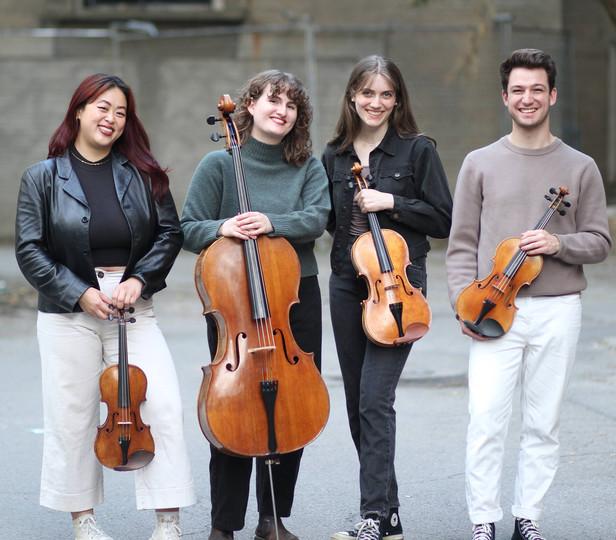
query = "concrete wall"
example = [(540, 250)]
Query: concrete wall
[(448, 50)]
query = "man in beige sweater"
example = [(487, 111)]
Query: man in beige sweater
[(499, 194)]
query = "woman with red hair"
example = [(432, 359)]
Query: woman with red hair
[(97, 231)]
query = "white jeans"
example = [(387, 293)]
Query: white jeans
[(75, 348), (538, 351)]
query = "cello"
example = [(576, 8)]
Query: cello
[(123, 442), (487, 306), (261, 395), (395, 313)]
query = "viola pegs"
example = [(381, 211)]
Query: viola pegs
[(547, 198), (131, 309), (567, 204), (132, 320), (553, 191)]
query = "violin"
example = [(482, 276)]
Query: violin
[(395, 313), (487, 306), (261, 395), (123, 442)]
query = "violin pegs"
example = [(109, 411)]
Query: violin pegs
[(562, 212), (553, 191), (132, 320), (131, 309), (211, 120), (567, 203), (547, 198)]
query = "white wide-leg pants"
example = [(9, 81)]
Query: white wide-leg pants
[(539, 352), (75, 348)]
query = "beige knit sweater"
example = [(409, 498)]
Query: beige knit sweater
[(500, 193)]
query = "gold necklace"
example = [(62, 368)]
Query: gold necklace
[(93, 163)]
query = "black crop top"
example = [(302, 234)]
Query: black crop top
[(110, 237)]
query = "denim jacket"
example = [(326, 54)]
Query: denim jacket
[(408, 168)]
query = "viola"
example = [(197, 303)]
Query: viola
[(487, 306), (123, 442), (395, 313), (261, 395)]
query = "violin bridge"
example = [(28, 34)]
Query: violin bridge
[(262, 349)]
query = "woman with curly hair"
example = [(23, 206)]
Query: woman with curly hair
[(289, 197)]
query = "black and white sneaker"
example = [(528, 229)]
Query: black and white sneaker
[(526, 529), (391, 528), (367, 529), (484, 531)]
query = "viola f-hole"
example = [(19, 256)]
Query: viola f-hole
[(395, 313), (123, 442), (487, 306)]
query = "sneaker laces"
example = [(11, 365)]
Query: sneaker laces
[(167, 528), (368, 529), (88, 525), (482, 531), (528, 528)]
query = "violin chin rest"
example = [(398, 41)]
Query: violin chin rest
[(488, 328), (137, 460), (413, 332)]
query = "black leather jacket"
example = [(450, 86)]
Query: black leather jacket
[(52, 243), (411, 170)]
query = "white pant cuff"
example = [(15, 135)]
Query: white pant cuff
[(534, 514), (152, 499), (477, 518)]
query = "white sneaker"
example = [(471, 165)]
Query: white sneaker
[(85, 528), (167, 528)]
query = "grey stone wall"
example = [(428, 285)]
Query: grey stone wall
[(448, 50)]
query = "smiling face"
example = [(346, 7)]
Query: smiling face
[(273, 116), (529, 98), (101, 123), (374, 102)]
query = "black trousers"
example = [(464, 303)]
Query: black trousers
[(230, 475)]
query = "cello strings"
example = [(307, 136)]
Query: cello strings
[(255, 274)]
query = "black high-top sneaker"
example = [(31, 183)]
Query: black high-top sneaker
[(484, 531), (526, 529), (391, 528), (367, 529)]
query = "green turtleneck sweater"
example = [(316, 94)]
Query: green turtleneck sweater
[(295, 199)]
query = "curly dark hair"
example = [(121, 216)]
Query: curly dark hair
[(530, 59), (296, 145)]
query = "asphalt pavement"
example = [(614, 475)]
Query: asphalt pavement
[(431, 416)]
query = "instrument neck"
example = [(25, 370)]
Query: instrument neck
[(518, 259), (123, 381), (382, 253), (254, 272)]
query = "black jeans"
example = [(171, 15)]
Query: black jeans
[(370, 375), (230, 475)]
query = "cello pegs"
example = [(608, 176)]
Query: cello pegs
[(215, 137), (211, 120)]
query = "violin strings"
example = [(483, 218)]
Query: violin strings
[(518, 259)]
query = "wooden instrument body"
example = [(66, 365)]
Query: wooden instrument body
[(500, 288), (141, 444), (231, 410), (387, 288)]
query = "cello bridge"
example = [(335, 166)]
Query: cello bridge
[(264, 348)]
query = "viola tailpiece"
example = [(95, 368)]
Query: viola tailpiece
[(123, 442), (395, 313), (487, 306)]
